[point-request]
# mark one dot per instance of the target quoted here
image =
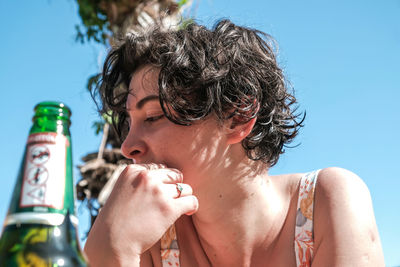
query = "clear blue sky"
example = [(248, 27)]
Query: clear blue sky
[(342, 57)]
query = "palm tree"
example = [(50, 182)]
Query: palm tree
[(102, 21)]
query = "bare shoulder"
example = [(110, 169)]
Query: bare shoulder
[(334, 180), (344, 223)]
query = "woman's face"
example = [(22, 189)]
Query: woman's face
[(194, 150)]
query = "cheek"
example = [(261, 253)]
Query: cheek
[(196, 150), (191, 149), (176, 147), (167, 145)]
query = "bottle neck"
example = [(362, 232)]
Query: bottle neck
[(44, 192)]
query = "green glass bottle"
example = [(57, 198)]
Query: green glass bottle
[(41, 226)]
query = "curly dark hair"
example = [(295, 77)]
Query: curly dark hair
[(228, 71)]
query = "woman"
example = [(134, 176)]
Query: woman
[(204, 114)]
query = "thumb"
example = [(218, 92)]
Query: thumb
[(187, 204)]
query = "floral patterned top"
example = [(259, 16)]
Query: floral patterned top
[(304, 233)]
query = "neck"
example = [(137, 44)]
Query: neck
[(240, 215)]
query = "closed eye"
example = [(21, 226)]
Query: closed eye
[(154, 118)]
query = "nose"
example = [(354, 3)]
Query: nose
[(133, 146)]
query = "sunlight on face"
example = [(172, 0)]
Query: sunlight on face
[(195, 150)]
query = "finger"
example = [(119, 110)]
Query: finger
[(167, 175), (151, 166), (187, 204), (179, 190), (136, 168)]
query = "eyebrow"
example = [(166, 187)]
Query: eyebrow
[(146, 99)]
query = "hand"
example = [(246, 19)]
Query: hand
[(145, 201)]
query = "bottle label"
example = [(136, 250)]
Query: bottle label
[(44, 193), (43, 182)]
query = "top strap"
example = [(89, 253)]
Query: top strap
[(169, 248), (304, 232)]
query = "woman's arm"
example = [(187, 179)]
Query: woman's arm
[(345, 230)]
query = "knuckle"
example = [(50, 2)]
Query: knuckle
[(143, 174), (141, 178), (131, 172), (165, 208), (156, 190), (123, 177)]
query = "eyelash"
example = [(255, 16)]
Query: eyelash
[(148, 120), (153, 119)]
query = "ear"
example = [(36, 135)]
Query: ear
[(239, 131)]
